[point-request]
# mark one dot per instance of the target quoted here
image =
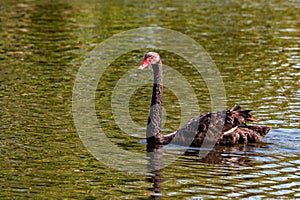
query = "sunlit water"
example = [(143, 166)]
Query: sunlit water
[(255, 46)]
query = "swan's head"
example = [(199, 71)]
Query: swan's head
[(150, 58)]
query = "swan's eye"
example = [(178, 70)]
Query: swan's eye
[(147, 55)]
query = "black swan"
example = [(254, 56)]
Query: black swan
[(233, 129)]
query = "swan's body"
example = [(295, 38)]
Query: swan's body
[(223, 128)]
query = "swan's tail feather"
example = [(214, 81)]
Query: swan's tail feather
[(238, 117), (244, 115), (235, 108)]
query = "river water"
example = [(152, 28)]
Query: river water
[(44, 44)]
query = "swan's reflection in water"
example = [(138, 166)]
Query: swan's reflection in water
[(155, 154), (220, 155)]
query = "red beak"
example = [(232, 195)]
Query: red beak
[(144, 64)]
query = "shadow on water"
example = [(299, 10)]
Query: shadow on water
[(272, 163)]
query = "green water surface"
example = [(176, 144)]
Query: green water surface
[(254, 44)]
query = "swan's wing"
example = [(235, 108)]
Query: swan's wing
[(208, 125)]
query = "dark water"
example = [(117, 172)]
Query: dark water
[(255, 46)]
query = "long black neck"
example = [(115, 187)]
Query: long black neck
[(154, 133)]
